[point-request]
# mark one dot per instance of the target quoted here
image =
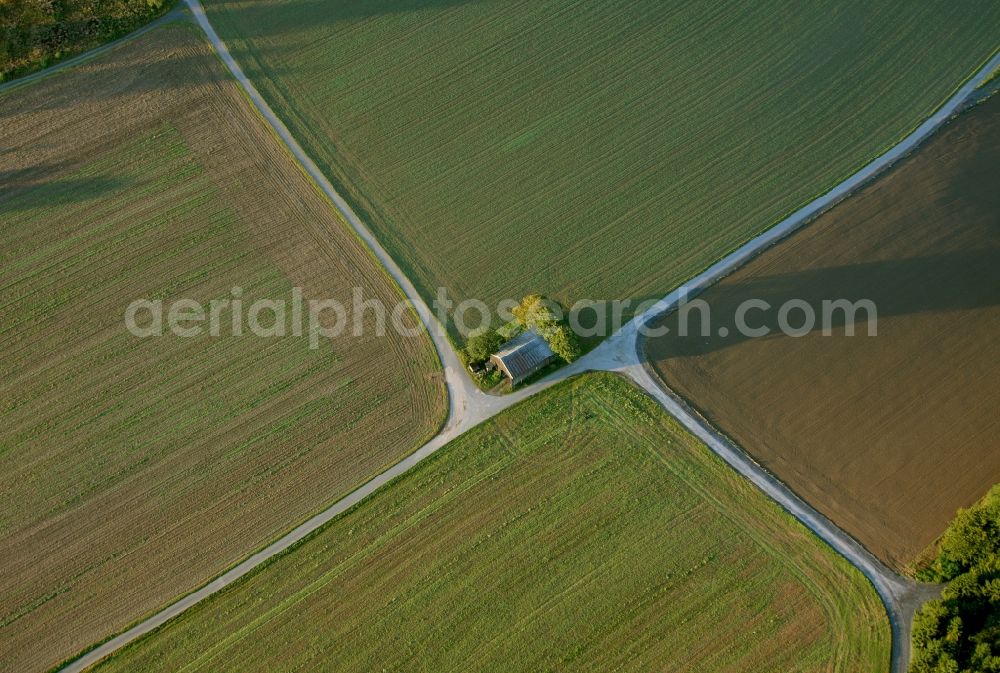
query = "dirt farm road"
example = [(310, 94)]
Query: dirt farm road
[(622, 353)]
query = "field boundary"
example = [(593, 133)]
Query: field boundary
[(973, 96), (176, 14), (468, 406), (900, 595), (821, 204)]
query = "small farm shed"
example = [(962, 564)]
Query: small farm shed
[(522, 356)]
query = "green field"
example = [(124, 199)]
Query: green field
[(596, 150), (132, 469), (582, 529)]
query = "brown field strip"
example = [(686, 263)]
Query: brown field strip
[(887, 435), (132, 470)]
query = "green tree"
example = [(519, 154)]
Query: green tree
[(973, 536), (536, 312), (564, 343), (482, 345), (544, 316), (37, 33), (960, 632)]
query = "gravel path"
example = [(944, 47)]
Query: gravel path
[(468, 406)]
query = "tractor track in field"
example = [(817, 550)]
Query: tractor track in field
[(623, 353)]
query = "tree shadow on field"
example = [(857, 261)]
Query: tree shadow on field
[(261, 18), (943, 198), (114, 75), (39, 187), (938, 283), (114, 80)]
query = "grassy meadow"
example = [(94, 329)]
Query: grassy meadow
[(133, 470), (888, 434), (600, 150), (583, 529)]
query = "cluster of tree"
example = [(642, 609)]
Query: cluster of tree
[(960, 632), (534, 312), (482, 344), (546, 317), (37, 33)]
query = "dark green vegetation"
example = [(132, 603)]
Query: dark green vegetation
[(133, 469), (482, 345), (35, 34), (598, 150), (583, 529), (961, 631)]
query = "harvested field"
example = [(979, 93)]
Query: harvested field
[(132, 470), (887, 435), (601, 150), (583, 529)]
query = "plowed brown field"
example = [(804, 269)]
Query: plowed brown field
[(887, 435), (132, 470)]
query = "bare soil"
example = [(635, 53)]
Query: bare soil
[(887, 435)]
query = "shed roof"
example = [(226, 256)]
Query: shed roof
[(524, 355)]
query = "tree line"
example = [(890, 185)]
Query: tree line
[(35, 34), (960, 632)]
